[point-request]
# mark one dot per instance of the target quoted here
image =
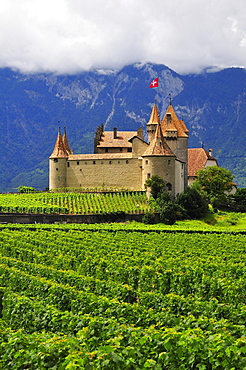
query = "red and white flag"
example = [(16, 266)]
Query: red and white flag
[(154, 83)]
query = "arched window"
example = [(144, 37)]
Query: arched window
[(169, 186)]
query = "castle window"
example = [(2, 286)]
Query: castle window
[(85, 162), (55, 160), (94, 162), (169, 186), (127, 161), (110, 162), (118, 162), (148, 176), (106, 150), (56, 169), (120, 149), (129, 149), (146, 162), (68, 164), (169, 162), (77, 163), (102, 162)]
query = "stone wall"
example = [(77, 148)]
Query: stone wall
[(116, 173), (31, 218)]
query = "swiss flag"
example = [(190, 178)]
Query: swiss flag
[(154, 83)]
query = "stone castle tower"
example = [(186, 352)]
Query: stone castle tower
[(122, 159)]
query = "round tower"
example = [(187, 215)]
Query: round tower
[(58, 164)]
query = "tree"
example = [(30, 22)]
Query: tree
[(168, 213), (157, 185), (166, 208), (25, 189), (237, 201), (194, 204), (215, 182)]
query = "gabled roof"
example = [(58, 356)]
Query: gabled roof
[(122, 139), (154, 117), (158, 146), (197, 159), (59, 149), (175, 123)]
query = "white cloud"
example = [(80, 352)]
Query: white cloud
[(67, 36)]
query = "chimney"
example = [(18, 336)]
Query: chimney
[(169, 118), (115, 132), (140, 133), (210, 152)]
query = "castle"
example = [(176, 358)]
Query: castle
[(123, 159)]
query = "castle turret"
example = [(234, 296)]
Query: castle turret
[(153, 123), (158, 159), (58, 163), (176, 136)]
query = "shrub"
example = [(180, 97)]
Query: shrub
[(168, 214), (149, 218), (193, 203), (25, 189)]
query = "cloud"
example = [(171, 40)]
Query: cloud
[(69, 36)]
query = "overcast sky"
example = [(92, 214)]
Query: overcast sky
[(68, 36)]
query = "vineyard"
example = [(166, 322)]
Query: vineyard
[(75, 203), (77, 298)]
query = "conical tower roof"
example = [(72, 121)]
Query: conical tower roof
[(59, 149), (174, 124), (65, 142), (158, 146), (154, 117)]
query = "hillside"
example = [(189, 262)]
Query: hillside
[(213, 106)]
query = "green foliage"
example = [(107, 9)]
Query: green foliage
[(157, 185), (165, 207), (238, 200), (121, 299), (215, 182), (149, 218), (168, 213), (25, 189), (189, 204), (112, 205), (193, 203)]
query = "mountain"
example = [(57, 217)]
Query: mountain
[(213, 106)]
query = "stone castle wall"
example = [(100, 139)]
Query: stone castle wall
[(117, 173)]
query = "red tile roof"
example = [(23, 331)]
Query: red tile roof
[(197, 159), (66, 144), (101, 156), (122, 139), (154, 117), (59, 149), (158, 145), (175, 123)]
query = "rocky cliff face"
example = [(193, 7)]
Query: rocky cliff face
[(213, 106)]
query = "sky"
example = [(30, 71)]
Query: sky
[(70, 36)]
